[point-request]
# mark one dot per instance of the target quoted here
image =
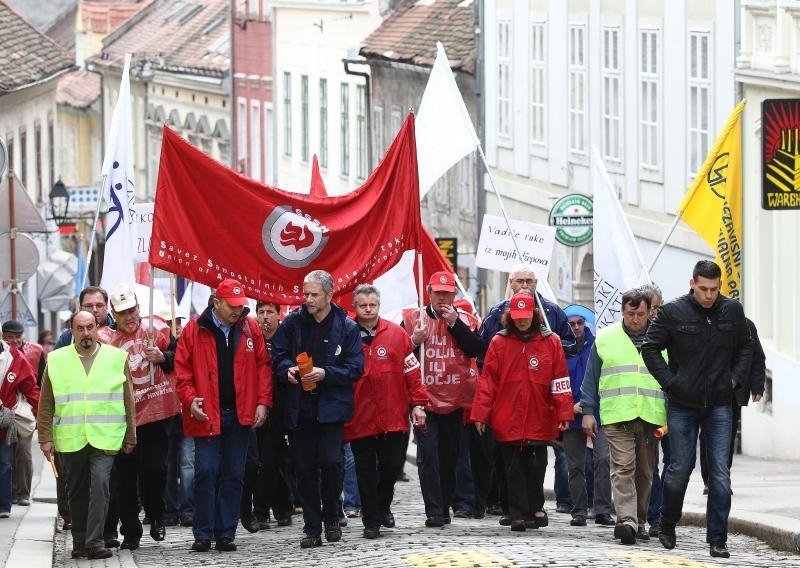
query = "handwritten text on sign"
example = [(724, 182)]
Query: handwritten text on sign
[(143, 217), (496, 249)]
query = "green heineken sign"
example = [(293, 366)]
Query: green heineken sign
[(572, 217)]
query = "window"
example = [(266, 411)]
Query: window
[(699, 99), (254, 162), (650, 107), (504, 84), (344, 140), (23, 157), (287, 114), (361, 132), (10, 149), (304, 117), (612, 95), (577, 89), (241, 127), (466, 167), (378, 140), (37, 158), (538, 83), (395, 120), (51, 156), (323, 123)]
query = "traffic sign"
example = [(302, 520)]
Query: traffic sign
[(27, 257), (24, 313), (26, 217)]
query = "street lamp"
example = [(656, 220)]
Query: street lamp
[(59, 204)]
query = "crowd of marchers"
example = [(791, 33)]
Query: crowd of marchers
[(237, 419)]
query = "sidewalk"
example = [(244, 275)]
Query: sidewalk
[(765, 502)]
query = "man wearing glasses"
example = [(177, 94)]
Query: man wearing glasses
[(94, 300)]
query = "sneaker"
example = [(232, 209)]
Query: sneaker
[(641, 534), (604, 519), (578, 521), (625, 533), (719, 550), (225, 545), (333, 531), (563, 508), (201, 545), (311, 541)]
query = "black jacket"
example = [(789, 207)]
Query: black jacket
[(754, 382), (706, 348)]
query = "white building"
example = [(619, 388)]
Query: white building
[(768, 67), (320, 109), (646, 82)]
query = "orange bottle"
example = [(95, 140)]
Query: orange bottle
[(306, 364)]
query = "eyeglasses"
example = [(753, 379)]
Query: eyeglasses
[(528, 281), (577, 323), (95, 306)]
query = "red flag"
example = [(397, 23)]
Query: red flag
[(317, 185), (211, 223)]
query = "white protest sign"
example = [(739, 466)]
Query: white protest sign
[(143, 217), (496, 249)]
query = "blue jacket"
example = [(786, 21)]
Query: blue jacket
[(577, 368), (343, 366), (555, 317)]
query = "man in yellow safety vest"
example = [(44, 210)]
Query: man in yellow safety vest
[(87, 414)]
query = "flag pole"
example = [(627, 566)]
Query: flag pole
[(664, 242), (85, 275), (421, 313), (510, 229), (172, 293), (152, 327)]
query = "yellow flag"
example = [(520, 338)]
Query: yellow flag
[(713, 204)]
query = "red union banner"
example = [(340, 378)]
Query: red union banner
[(211, 223)]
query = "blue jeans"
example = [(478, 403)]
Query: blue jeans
[(218, 479), (350, 496), (657, 493), (561, 484), (180, 472), (684, 424), (6, 462)]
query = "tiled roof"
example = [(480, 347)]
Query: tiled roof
[(26, 55), (173, 35), (410, 34), (105, 17), (78, 89)]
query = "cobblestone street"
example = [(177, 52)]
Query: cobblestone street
[(464, 543)]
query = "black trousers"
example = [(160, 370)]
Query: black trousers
[(273, 486), (437, 455), (379, 461), (525, 466), (481, 448), (142, 472)]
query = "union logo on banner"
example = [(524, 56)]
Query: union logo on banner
[(780, 127), (291, 239)]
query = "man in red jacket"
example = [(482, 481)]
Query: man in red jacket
[(379, 428), (225, 388)]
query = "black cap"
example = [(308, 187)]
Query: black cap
[(13, 326)]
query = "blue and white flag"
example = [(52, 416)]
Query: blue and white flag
[(618, 264), (119, 193)]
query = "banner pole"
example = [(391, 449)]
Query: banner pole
[(421, 312), (172, 310), (664, 242), (152, 326), (89, 252)]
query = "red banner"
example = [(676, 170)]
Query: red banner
[(211, 223)]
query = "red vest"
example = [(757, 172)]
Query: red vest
[(448, 374), (156, 401), (33, 353)]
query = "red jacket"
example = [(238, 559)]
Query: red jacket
[(524, 389), (392, 381), (17, 377), (197, 374)]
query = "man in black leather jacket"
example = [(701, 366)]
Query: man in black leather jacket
[(709, 350)]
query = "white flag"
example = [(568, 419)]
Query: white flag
[(618, 264), (119, 193), (443, 127)]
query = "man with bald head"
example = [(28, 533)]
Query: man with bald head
[(87, 414)]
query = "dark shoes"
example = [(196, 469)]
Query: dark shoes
[(333, 531), (504, 521), (263, 524), (625, 533), (667, 537), (225, 545), (129, 544), (479, 512), (461, 514), (641, 534), (187, 521), (250, 523), (604, 519), (78, 550), (310, 541), (578, 521), (435, 522), (540, 521), (97, 553), (111, 543), (719, 550), (563, 508), (157, 530), (284, 521), (372, 532), (655, 528), (388, 521), (518, 526), (67, 526), (495, 510), (201, 545)]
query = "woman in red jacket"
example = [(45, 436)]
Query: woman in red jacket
[(524, 394)]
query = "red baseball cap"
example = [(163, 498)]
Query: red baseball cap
[(521, 306), (232, 292), (442, 282)]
